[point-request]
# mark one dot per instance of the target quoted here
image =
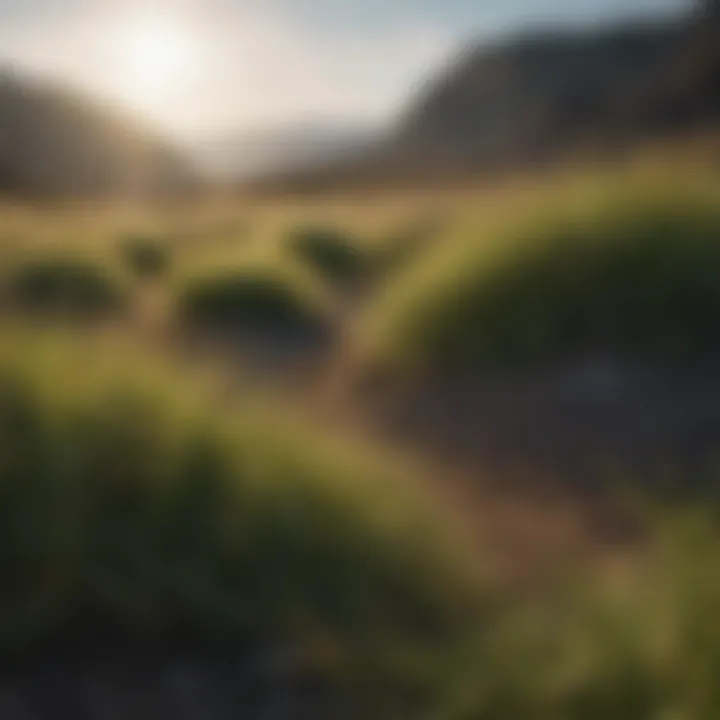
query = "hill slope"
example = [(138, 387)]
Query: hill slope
[(536, 97), (54, 142), (542, 96)]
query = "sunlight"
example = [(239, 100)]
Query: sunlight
[(155, 55)]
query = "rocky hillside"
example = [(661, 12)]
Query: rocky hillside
[(536, 97), (542, 96), (54, 142)]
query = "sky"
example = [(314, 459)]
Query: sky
[(213, 68)]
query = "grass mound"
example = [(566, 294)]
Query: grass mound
[(263, 297), (335, 255), (62, 285), (132, 506), (145, 256), (633, 277)]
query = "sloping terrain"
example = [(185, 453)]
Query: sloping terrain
[(54, 142), (541, 95), (544, 96)]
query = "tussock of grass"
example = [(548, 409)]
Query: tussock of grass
[(263, 296), (132, 505), (335, 255), (145, 256), (636, 276), (48, 283)]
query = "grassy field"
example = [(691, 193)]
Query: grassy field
[(156, 484)]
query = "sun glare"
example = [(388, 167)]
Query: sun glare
[(154, 56)]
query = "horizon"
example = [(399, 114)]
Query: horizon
[(203, 71)]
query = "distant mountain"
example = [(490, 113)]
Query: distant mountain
[(541, 96), (268, 152), (56, 142)]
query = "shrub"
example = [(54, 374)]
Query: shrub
[(634, 277), (261, 297), (145, 256), (63, 285), (131, 505), (335, 255)]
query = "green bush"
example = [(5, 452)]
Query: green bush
[(264, 297), (130, 504), (145, 256), (335, 255), (633, 277), (61, 285)]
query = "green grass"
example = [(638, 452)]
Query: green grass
[(335, 255), (635, 276), (145, 256), (133, 504), (266, 295), (61, 284), (136, 505)]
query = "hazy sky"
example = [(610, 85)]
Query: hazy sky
[(209, 67)]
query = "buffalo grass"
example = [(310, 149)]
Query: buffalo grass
[(145, 256), (630, 276), (61, 284), (335, 255), (132, 505), (266, 296)]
